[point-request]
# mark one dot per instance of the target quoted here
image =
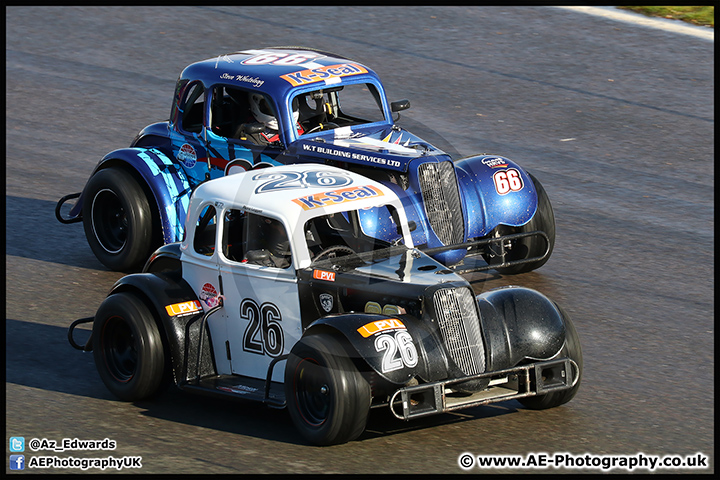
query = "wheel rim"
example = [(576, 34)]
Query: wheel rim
[(312, 392), (109, 221), (121, 357)]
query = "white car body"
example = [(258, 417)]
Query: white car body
[(293, 195)]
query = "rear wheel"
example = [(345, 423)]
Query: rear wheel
[(128, 348), (529, 247), (328, 399), (118, 220), (572, 351)]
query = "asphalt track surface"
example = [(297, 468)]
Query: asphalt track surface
[(615, 119)]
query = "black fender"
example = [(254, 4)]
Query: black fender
[(519, 325), (390, 357), (165, 258), (179, 314)]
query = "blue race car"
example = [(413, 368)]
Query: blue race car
[(291, 105)]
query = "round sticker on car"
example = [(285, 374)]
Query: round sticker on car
[(187, 155), (209, 295)]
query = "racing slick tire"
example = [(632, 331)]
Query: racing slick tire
[(118, 220), (128, 348), (328, 398), (571, 350), (534, 246)]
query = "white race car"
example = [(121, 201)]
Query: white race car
[(286, 290)]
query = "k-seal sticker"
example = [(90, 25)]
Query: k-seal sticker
[(209, 295), (330, 73), (187, 155), (334, 197)]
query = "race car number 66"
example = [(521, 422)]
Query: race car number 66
[(507, 181), (275, 58)]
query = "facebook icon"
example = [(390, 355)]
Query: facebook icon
[(17, 462)]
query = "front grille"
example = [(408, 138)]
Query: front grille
[(460, 328), (442, 201)]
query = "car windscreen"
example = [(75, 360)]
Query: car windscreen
[(365, 233), (339, 106)]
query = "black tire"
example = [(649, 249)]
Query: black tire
[(118, 220), (543, 220), (573, 351), (328, 399), (128, 348)]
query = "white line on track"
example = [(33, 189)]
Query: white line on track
[(675, 26)]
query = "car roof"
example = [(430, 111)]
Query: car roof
[(294, 193), (276, 70)]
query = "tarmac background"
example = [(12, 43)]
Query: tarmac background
[(615, 119)]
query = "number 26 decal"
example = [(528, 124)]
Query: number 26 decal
[(263, 334), (507, 181), (401, 343), (292, 180)]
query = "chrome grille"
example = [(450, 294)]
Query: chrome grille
[(460, 328), (441, 200)]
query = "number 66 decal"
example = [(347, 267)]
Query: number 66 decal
[(399, 351), (507, 181)]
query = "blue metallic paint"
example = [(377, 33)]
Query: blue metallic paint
[(170, 180), (167, 182)]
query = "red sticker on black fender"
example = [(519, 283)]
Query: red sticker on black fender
[(324, 275)]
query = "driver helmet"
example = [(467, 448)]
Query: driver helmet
[(262, 112)]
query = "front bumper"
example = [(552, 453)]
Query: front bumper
[(495, 245), (524, 381)]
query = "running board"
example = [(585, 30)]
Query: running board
[(238, 387)]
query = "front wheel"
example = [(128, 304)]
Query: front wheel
[(528, 247), (572, 351), (128, 348), (118, 220), (328, 399)]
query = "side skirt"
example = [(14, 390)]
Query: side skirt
[(238, 387)]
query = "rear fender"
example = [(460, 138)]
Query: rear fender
[(179, 314), (495, 191), (165, 180), (398, 348)]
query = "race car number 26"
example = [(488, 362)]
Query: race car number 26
[(263, 334), (399, 351), (293, 180)]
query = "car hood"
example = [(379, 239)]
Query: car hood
[(400, 265), (386, 147), (373, 282)]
